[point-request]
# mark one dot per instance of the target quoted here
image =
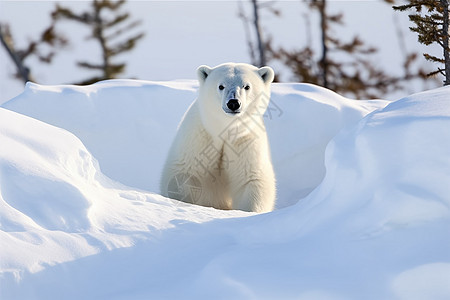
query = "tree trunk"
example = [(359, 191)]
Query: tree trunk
[(98, 29), (22, 70), (323, 27), (261, 48), (445, 41)]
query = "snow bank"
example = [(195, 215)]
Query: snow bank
[(375, 226), (56, 206), (128, 126)]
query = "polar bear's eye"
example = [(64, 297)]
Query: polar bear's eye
[(247, 87), (221, 87)]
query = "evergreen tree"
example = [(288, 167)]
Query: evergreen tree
[(43, 48), (105, 30), (432, 26)]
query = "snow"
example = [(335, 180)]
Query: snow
[(363, 206)]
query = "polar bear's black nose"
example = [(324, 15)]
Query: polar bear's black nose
[(233, 104)]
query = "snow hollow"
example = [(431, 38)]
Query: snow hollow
[(363, 209)]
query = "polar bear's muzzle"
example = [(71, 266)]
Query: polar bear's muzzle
[(233, 106)]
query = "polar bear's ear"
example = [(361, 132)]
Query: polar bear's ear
[(267, 74), (202, 73)]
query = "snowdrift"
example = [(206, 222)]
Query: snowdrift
[(128, 126), (363, 199)]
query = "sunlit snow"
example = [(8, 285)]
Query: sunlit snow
[(363, 209)]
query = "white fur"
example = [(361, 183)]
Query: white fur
[(220, 159)]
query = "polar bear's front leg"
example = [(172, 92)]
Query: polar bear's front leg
[(256, 196), (251, 175)]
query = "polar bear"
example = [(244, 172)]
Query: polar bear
[(220, 156)]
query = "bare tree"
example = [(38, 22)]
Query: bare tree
[(34, 48), (259, 39), (353, 74), (258, 53)]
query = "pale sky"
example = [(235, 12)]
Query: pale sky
[(181, 35)]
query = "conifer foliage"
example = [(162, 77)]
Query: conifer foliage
[(107, 23), (431, 19)]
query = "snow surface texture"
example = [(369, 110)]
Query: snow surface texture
[(363, 199)]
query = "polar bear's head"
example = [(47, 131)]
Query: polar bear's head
[(231, 90)]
